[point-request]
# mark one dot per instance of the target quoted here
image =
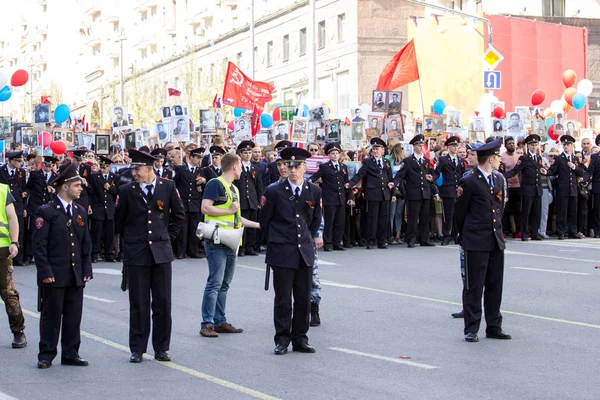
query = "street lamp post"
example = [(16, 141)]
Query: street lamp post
[(312, 50), (252, 37)]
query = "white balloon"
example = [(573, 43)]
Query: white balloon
[(3, 79), (556, 106), (366, 108), (447, 109), (494, 99), (585, 87)]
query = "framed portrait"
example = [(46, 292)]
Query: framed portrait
[(379, 100), (58, 134), (181, 129), (438, 125), (178, 110), (208, 122), (103, 144), (394, 101), (318, 116), (166, 112), (69, 137), (195, 137), (477, 136), (572, 128), (287, 112), (525, 114), (242, 128), (358, 115), (161, 130), (5, 126), (559, 123), (477, 124), (515, 124), (499, 125), (394, 129), (130, 140), (41, 113), (333, 130), (119, 117), (375, 124), (262, 138), (219, 120), (419, 127), (358, 130), (539, 128), (282, 130), (454, 125), (320, 135), (153, 142), (427, 125), (300, 130), (29, 137)]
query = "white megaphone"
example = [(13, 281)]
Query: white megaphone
[(229, 237)]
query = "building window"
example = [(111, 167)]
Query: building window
[(153, 49), (199, 76), (255, 58), (343, 92), (322, 35), (553, 8), (238, 59), (144, 53), (341, 23), (302, 41), (212, 74), (286, 48), (269, 54)]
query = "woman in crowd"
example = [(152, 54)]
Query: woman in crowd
[(396, 212)]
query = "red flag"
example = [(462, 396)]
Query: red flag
[(174, 92), (217, 101), (46, 99), (242, 92), (401, 70), (256, 112)]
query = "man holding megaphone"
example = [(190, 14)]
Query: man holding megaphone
[(221, 207)]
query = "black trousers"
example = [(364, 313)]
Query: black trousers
[(103, 231), (582, 215), (27, 236), (352, 225), (417, 210), (596, 208), (531, 215), (187, 239), (289, 282), (566, 213), (61, 315), (19, 258), (249, 237), (335, 218), (145, 282), (484, 269), (447, 228), (377, 221)]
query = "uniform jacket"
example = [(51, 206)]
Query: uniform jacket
[(17, 186), (62, 249), (451, 174), (413, 175), (166, 173), (271, 174), (333, 186), (375, 184), (210, 172), (37, 187), (187, 187), (125, 177), (566, 178), (147, 227), (251, 188), (531, 177), (102, 200), (290, 233), (478, 212), (593, 172)]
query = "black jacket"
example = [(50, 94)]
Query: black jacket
[(85, 171), (166, 173), (593, 173), (102, 200), (413, 175), (566, 178), (187, 187), (210, 172), (37, 187), (271, 174), (17, 185), (375, 184), (531, 184), (451, 174), (250, 186), (333, 186)]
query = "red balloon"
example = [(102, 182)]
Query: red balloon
[(231, 125), (44, 139), (58, 147), (19, 78), (277, 114), (499, 112), (551, 133), (569, 93), (538, 97), (569, 78)]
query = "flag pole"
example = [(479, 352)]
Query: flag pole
[(422, 102)]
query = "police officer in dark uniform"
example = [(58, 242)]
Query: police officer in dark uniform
[(530, 167), (159, 164), (189, 180), (377, 173), (568, 173), (417, 174), (250, 186), (61, 245), (85, 171), (478, 210), (148, 214), (592, 175), (214, 169), (271, 172), (14, 176), (291, 211), (451, 169), (103, 193), (334, 176)]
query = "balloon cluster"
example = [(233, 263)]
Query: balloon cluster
[(266, 119), (19, 78)]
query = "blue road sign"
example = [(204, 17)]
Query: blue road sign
[(492, 80)]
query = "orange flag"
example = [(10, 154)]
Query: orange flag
[(401, 70)]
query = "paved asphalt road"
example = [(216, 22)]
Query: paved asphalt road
[(377, 306)]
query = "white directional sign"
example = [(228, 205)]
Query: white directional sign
[(492, 80)]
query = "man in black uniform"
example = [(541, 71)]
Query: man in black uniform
[(250, 186), (148, 214), (478, 210), (377, 172), (530, 167), (159, 164), (13, 175), (291, 211), (271, 172), (334, 176), (103, 194), (593, 176), (61, 245), (214, 169), (451, 169), (568, 174), (85, 171), (188, 178), (416, 172)]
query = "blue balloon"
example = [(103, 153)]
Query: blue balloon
[(5, 93), (266, 120), (438, 106), (549, 123), (61, 113), (238, 112), (305, 111), (579, 101)]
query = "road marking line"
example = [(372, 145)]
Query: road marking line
[(180, 368), (551, 270), (518, 253), (107, 271), (4, 396), (384, 358), (87, 296), (323, 262), (342, 285)]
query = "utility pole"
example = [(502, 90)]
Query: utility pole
[(312, 38), (31, 88), (252, 38), (120, 40)]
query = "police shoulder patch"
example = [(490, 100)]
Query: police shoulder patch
[(263, 201), (459, 191), (39, 222)]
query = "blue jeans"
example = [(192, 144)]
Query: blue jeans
[(221, 265), (396, 216)]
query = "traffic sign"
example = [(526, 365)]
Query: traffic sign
[(492, 80), (491, 58)]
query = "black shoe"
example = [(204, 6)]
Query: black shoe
[(119, 258), (110, 259), (197, 256), (180, 257), (304, 348), (241, 252), (162, 356), (19, 340), (382, 246), (44, 364), (497, 334), (136, 357), (362, 243), (460, 314), (78, 362), (561, 237), (328, 248), (426, 244), (94, 259), (26, 261), (339, 248), (262, 249), (369, 247), (471, 337), (280, 350), (539, 238), (315, 318), (578, 235), (348, 245), (445, 242), (524, 238), (251, 253), (411, 245)]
